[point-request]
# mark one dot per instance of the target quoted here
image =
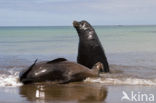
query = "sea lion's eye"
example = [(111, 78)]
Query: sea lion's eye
[(83, 26)]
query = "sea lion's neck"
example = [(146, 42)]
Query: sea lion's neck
[(87, 39)]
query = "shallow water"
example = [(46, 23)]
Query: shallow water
[(74, 93), (130, 50)]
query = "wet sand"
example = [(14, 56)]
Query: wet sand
[(70, 93)]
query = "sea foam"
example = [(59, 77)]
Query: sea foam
[(10, 80), (121, 81)]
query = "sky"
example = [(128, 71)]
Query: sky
[(63, 12)]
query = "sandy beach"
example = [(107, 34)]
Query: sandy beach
[(72, 93)]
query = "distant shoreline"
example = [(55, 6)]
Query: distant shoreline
[(72, 26)]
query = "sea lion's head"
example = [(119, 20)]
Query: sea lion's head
[(84, 28)]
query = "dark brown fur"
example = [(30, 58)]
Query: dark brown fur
[(90, 50), (59, 70)]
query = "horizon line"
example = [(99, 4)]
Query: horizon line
[(71, 25)]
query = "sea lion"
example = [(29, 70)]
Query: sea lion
[(58, 70), (90, 50)]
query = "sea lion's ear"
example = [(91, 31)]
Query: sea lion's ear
[(57, 60)]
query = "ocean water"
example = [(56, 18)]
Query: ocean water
[(130, 50), (131, 53)]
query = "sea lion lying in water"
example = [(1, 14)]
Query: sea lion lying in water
[(59, 70), (90, 50)]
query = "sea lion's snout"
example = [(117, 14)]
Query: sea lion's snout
[(75, 24)]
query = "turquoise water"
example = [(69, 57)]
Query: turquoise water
[(131, 53), (37, 40), (122, 44), (60, 40), (129, 49)]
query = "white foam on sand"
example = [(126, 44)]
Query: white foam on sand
[(121, 81), (10, 80)]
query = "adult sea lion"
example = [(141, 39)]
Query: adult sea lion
[(59, 70), (90, 50)]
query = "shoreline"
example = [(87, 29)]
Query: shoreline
[(72, 93)]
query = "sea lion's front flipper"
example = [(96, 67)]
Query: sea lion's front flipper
[(57, 60), (98, 67)]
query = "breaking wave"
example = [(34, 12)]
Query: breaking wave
[(127, 75), (9, 78)]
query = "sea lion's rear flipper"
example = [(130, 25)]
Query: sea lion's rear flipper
[(25, 72), (56, 60)]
